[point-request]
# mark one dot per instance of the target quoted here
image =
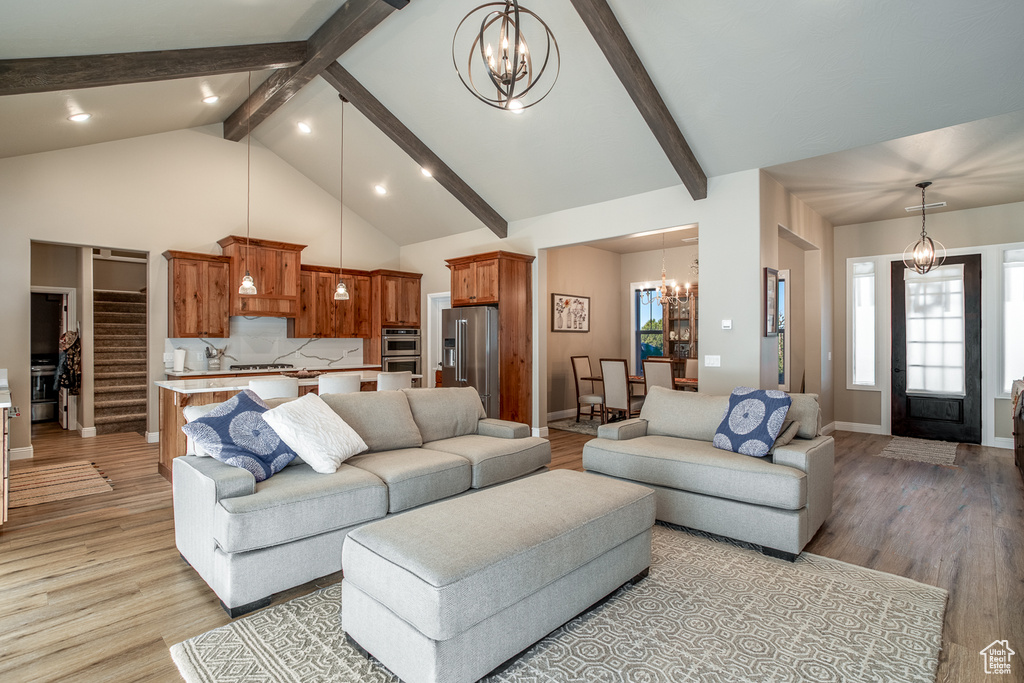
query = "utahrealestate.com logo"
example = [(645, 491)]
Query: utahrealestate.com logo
[(997, 657)]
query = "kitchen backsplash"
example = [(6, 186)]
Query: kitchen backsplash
[(265, 340)]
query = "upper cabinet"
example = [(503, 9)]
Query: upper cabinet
[(320, 315), (198, 294), (679, 327), (274, 267), (481, 279), (397, 298)]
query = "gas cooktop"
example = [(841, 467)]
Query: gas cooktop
[(262, 366)]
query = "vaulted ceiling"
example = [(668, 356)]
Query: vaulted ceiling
[(751, 86)]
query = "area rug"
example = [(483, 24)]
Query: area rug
[(584, 426), (711, 610), (922, 450), (47, 483)]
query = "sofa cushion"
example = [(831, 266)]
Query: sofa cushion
[(686, 414), (807, 412), (496, 460), (416, 476), (753, 422), (697, 466), (381, 418), (788, 433), (315, 432), (236, 434), (443, 413), (297, 503)]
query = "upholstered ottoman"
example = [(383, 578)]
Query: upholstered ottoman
[(450, 591)]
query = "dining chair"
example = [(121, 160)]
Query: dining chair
[(275, 387), (390, 381), (615, 374), (585, 394), (690, 369), (657, 373), (339, 383)]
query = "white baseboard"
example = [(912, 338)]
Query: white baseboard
[(25, 453), (829, 428), (88, 432), (562, 414), (858, 427), (152, 437), (541, 431), (1002, 442)]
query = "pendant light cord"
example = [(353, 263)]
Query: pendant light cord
[(248, 175), (341, 194)]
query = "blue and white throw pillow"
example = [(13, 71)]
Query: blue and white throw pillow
[(753, 421), (236, 434)]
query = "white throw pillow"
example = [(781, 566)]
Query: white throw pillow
[(309, 427)]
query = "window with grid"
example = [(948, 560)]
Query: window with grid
[(1013, 317), (648, 328), (862, 323), (935, 330)]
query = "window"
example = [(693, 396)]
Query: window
[(935, 331), (1013, 317), (648, 328), (862, 323)]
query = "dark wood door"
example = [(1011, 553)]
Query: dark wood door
[(947, 416)]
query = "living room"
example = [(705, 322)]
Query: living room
[(155, 173)]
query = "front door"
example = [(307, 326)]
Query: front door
[(936, 351)]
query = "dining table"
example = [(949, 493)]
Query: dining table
[(686, 383)]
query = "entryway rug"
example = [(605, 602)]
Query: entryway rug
[(711, 610), (47, 483), (584, 426), (922, 450)]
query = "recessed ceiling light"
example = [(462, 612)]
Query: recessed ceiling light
[(304, 128), (210, 99), (78, 118), (426, 173), (380, 189)]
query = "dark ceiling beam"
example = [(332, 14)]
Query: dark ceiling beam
[(608, 33), (47, 74), (353, 91), (352, 21)]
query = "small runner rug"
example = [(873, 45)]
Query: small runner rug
[(48, 483), (922, 450), (710, 610), (584, 426)]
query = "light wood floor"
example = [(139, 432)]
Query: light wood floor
[(93, 589)]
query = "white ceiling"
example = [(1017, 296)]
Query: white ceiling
[(762, 86)]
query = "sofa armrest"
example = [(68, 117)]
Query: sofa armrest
[(800, 453), (224, 480), (816, 457), (620, 431), (503, 429)]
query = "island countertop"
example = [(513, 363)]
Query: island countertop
[(214, 384), (262, 371)]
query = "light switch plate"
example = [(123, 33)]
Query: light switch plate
[(712, 361), (169, 357), (726, 324)]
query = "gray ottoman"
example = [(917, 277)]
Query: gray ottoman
[(450, 591)]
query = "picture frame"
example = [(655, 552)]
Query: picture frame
[(771, 313), (570, 313)]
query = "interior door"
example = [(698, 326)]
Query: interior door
[(936, 351)]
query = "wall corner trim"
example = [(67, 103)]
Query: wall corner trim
[(88, 432), (152, 437), (856, 427), (541, 432), (25, 453)]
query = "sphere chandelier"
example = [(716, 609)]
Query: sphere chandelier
[(501, 68), (925, 254)]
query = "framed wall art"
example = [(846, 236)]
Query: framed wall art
[(771, 306), (570, 313)]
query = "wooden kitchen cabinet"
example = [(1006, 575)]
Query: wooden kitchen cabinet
[(274, 267), (198, 301), (482, 278), (319, 315), (399, 298)]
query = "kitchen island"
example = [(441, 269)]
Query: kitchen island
[(175, 394)]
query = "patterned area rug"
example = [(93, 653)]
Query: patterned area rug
[(922, 450), (35, 485), (711, 610), (584, 426)]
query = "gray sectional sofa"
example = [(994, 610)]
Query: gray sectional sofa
[(777, 502), (249, 540)]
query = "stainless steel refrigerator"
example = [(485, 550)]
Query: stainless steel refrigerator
[(470, 352)]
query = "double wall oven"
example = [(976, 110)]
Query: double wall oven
[(400, 350)]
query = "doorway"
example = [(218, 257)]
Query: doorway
[(936, 351)]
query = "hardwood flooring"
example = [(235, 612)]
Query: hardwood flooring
[(93, 589)]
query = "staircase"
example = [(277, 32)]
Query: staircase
[(119, 361)]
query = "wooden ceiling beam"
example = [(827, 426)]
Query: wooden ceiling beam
[(353, 91), (48, 74), (345, 28), (608, 33)]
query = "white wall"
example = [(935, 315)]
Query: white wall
[(180, 190)]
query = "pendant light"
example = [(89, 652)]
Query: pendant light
[(248, 287), (341, 293), (925, 254)]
